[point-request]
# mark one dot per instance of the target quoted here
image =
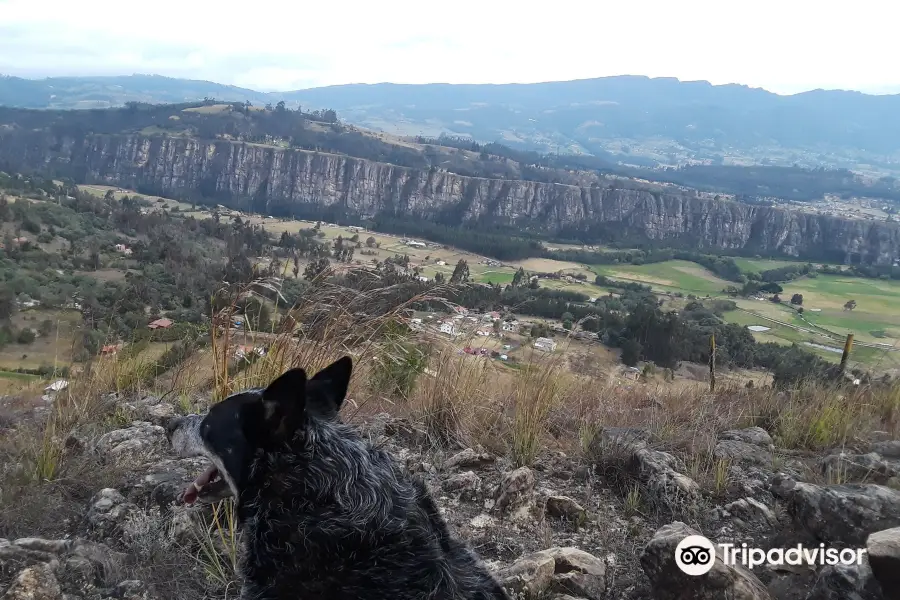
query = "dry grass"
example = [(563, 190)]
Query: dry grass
[(457, 399)]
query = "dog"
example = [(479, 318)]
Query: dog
[(323, 513)]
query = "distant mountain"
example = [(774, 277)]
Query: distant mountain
[(105, 92), (627, 119)]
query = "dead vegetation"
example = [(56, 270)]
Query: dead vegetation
[(49, 471)]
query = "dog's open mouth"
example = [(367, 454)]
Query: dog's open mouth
[(208, 483)]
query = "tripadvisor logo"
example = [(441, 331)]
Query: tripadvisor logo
[(696, 555)]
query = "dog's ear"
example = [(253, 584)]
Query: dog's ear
[(282, 403), (326, 391)]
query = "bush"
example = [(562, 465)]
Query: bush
[(26, 336)]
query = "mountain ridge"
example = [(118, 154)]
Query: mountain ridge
[(284, 181), (634, 120)]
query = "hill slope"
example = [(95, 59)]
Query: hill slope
[(635, 120), (308, 165)]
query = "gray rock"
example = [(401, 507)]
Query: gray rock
[(133, 446), (839, 513), (743, 453), (109, 512), (557, 570), (661, 473), (845, 582), (516, 491), (530, 576), (670, 583), (469, 459), (577, 572), (754, 436), (883, 549), (887, 449), (466, 484), (750, 446), (563, 507), (34, 583), (845, 467), (751, 512)]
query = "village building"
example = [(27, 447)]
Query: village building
[(160, 324), (544, 344)]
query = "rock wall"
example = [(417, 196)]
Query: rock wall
[(267, 179)]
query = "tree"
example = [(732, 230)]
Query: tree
[(518, 277), (797, 299), (631, 352), (850, 305), (776, 299), (460, 272), (46, 327), (7, 304), (370, 242), (315, 268), (26, 336), (439, 278)]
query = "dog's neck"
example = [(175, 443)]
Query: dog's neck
[(327, 472)]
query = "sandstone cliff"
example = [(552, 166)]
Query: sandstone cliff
[(269, 179)]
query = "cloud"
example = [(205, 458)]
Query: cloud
[(280, 44)]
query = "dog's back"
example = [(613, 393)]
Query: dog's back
[(345, 524), (324, 514)]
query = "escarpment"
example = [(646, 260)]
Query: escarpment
[(279, 180)]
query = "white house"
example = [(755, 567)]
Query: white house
[(511, 326), (448, 327), (415, 244), (57, 386), (544, 344)]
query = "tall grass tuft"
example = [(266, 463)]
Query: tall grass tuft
[(536, 391)]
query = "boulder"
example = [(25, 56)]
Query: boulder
[(883, 550), (469, 459), (749, 511), (529, 576), (845, 582), (563, 507), (864, 468), (845, 514), (134, 446), (669, 582), (108, 513), (516, 491), (661, 474), (564, 571), (34, 583), (466, 485), (751, 446)]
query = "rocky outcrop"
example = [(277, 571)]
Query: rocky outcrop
[(269, 179), (845, 514), (670, 583)]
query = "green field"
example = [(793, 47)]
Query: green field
[(757, 265), (669, 276)]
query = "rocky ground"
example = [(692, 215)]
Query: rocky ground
[(601, 525)]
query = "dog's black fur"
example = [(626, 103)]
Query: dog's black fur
[(323, 513)]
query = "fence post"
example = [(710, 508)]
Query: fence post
[(848, 345), (712, 362)]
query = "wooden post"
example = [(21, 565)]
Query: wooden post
[(848, 345), (712, 363)]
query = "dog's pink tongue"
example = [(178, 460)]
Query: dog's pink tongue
[(192, 491)]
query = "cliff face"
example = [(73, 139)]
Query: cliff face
[(268, 179)]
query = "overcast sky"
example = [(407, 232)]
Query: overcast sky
[(784, 46)]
